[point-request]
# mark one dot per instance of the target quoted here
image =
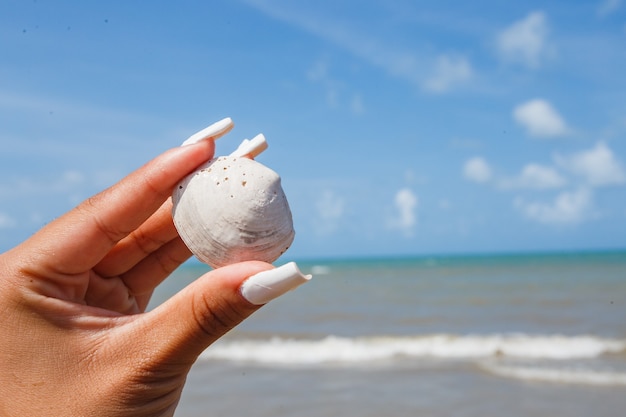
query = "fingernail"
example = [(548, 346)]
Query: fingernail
[(251, 148), (216, 130), (267, 285)]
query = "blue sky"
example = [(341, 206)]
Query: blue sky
[(398, 127)]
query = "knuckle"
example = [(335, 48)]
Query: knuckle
[(215, 317)]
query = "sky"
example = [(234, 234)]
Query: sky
[(398, 127)]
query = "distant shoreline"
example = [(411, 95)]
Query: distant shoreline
[(465, 255), (608, 255)]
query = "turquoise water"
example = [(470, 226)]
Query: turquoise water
[(531, 334)]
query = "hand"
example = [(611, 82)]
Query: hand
[(74, 337)]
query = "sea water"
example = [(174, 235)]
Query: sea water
[(506, 335)]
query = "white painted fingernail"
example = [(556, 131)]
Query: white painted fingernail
[(267, 285), (216, 130), (251, 147)]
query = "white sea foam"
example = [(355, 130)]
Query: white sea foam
[(556, 375), (441, 346), (320, 270)]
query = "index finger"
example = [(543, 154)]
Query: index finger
[(77, 241)]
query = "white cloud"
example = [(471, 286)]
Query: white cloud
[(449, 71), (406, 203), (567, 208), (608, 7), (597, 166), (540, 119), (477, 170), (525, 41), (329, 210), (6, 221), (535, 176)]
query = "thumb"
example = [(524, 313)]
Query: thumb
[(215, 303)]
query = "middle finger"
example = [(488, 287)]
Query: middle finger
[(154, 233)]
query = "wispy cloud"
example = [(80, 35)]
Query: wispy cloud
[(319, 73), (449, 72), (37, 198), (335, 91), (525, 42), (438, 73), (62, 107), (608, 7), (66, 182), (6, 221), (540, 119), (329, 211), (356, 104)]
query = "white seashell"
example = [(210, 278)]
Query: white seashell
[(233, 209)]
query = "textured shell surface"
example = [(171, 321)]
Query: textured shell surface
[(233, 209)]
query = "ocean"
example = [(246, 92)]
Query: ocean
[(505, 335)]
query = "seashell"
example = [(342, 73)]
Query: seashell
[(233, 209)]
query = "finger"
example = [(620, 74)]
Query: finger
[(78, 240), (211, 306), (130, 292), (144, 277), (155, 232), (199, 314)]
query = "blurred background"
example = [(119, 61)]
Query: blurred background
[(398, 127)]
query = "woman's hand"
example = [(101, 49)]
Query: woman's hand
[(74, 337)]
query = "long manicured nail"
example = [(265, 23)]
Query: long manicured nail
[(251, 147), (216, 130), (267, 285)]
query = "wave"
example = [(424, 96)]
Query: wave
[(333, 349), (320, 270), (556, 375)]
